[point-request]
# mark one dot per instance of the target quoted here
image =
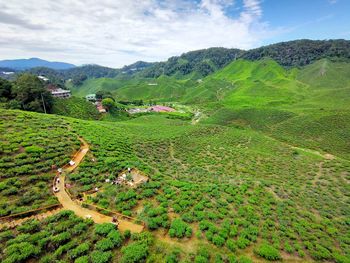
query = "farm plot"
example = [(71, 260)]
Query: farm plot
[(30, 145)]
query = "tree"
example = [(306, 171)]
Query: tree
[(78, 79), (108, 103), (102, 94), (5, 89), (30, 92)]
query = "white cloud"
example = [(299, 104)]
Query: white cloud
[(118, 32)]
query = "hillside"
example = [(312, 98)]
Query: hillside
[(301, 106), (214, 192), (76, 108), (261, 173), (198, 63), (302, 52)]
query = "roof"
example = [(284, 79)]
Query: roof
[(59, 91), (159, 108)]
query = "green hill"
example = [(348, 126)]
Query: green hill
[(76, 108), (308, 105), (222, 191)]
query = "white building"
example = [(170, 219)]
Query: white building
[(60, 93)]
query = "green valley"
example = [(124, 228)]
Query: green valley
[(249, 162)]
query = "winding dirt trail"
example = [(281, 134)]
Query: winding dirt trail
[(70, 204)]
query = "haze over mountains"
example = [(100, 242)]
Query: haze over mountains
[(23, 64)]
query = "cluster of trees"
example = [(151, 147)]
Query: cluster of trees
[(203, 62), (301, 52), (27, 92), (90, 71), (292, 53), (55, 77), (111, 105)]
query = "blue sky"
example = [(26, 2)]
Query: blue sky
[(315, 19), (119, 32)]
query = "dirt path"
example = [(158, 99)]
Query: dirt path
[(70, 204)]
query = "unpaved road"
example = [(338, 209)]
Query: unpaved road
[(69, 204)]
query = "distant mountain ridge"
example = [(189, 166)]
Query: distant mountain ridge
[(24, 64), (195, 64)]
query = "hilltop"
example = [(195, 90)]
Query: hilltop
[(23, 64)]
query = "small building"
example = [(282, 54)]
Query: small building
[(60, 93), (100, 107), (91, 97), (43, 78), (159, 108), (137, 110)]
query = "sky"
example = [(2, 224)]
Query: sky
[(119, 32)]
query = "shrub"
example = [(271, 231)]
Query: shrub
[(231, 245), (135, 252), (34, 149), (218, 241), (244, 259), (268, 252), (179, 228), (104, 244), (320, 253), (61, 238), (83, 259), (242, 242), (79, 251), (104, 229), (19, 252), (116, 238), (200, 259), (100, 257)]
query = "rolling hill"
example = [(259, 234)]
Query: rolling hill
[(263, 175)]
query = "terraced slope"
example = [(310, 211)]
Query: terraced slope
[(229, 191)]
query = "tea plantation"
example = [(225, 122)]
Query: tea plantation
[(236, 193), (263, 176)]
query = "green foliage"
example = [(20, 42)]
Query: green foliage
[(100, 257), (104, 244), (301, 52), (179, 229), (5, 89), (29, 91), (268, 252), (19, 252), (80, 250), (104, 229), (201, 62), (76, 108), (135, 252)]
